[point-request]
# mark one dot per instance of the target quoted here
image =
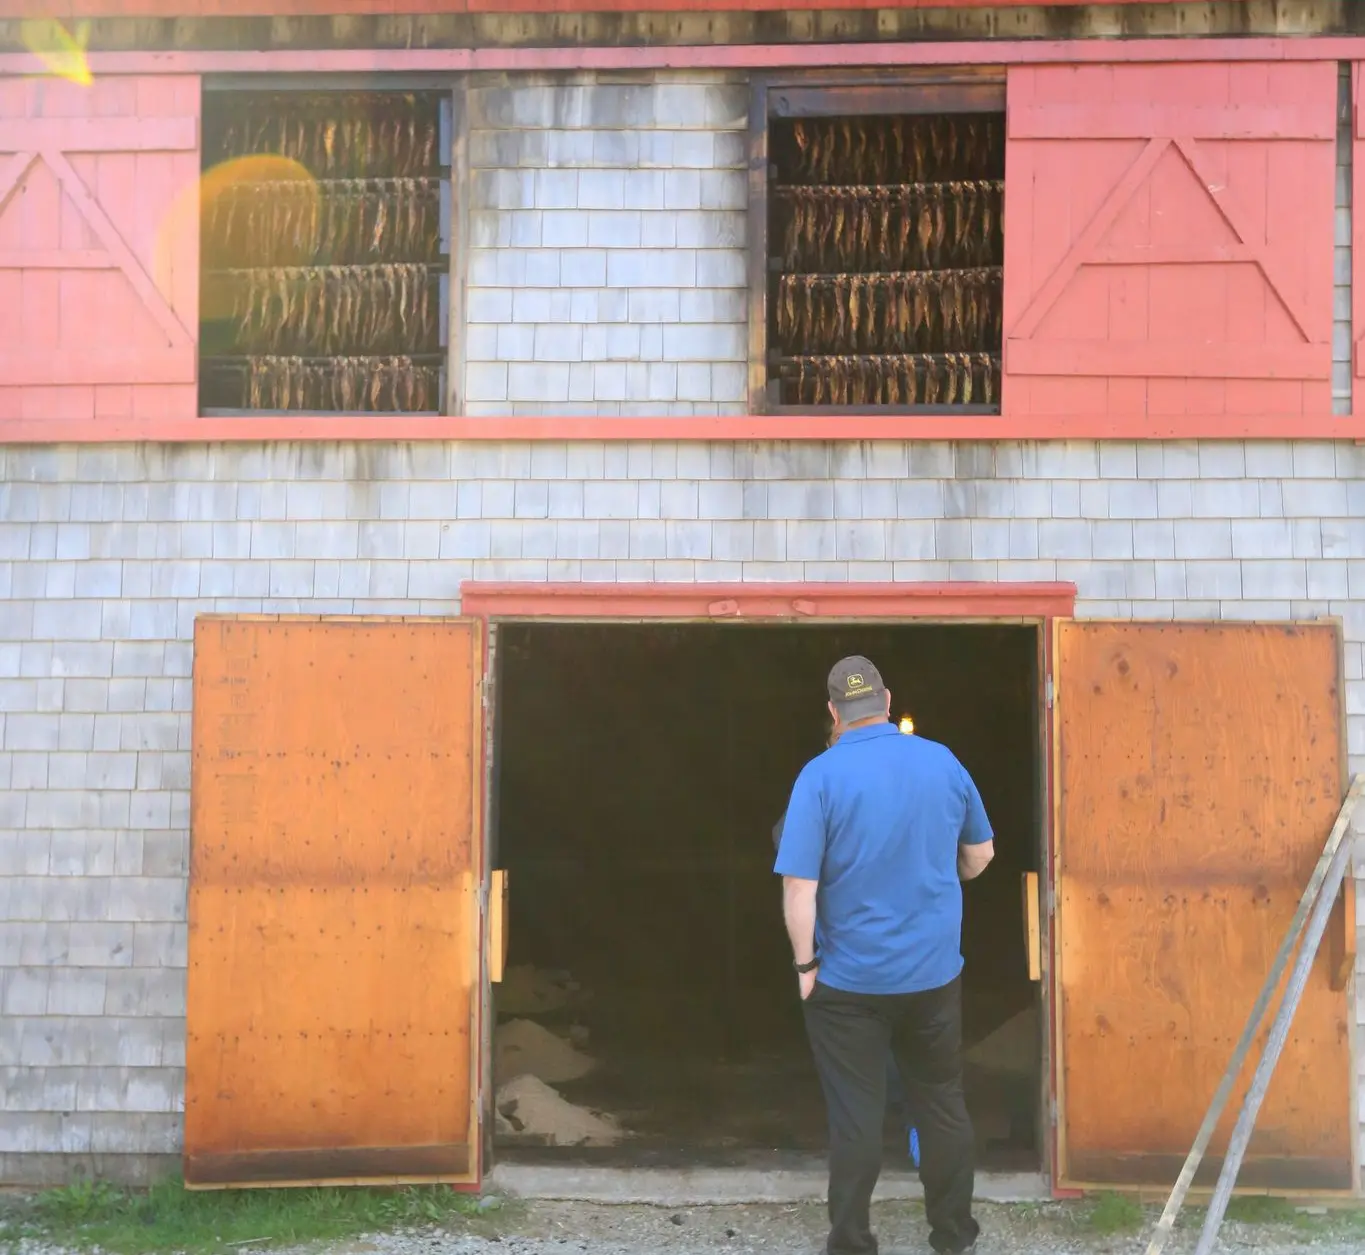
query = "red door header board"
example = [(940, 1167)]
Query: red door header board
[(332, 1010), (99, 247), (1199, 771), (1168, 238)]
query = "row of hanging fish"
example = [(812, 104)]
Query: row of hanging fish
[(940, 379), (896, 150), (355, 134), (357, 384), (914, 226), (907, 312), (332, 309), (346, 220)]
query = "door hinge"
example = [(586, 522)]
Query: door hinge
[(1051, 901), (1049, 693), (1052, 1111)]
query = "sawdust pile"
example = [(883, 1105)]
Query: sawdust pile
[(527, 990), (522, 1047), (529, 1107)]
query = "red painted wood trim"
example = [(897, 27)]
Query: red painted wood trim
[(178, 336), (1178, 254), (1122, 192), (94, 367), (12, 174), (55, 259), (1250, 122), (1266, 258), (100, 135), (799, 602), (730, 56), (1168, 359), (749, 427)]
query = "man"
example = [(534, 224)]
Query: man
[(880, 831), (897, 1101)]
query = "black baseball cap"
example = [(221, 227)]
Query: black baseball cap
[(856, 689)]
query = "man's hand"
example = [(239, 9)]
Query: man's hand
[(806, 982)]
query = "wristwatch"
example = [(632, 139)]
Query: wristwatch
[(803, 968)]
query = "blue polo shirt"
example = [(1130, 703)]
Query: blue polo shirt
[(877, 820)]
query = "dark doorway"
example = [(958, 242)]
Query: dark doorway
[(641, 769)]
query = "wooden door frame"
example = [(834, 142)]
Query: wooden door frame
[(1036, 605)]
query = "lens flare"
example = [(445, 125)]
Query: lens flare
[(61, 51), (907, 725), (235, 209)]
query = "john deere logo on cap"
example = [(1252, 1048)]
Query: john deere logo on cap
[(855, 681)]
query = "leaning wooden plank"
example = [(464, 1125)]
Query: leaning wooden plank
[(1336, 842), (1279, 1034)]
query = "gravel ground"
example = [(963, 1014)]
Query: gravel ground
[(1045, 1229), (541, 1228)]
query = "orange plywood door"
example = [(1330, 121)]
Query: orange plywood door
[(1199, 770), (334, 905)]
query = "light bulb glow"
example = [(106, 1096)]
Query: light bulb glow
[(907, 725)]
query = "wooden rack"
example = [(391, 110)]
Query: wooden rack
[(936, 380), (326, 265), (885, 263), (406, 383)]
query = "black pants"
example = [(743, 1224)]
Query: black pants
[(849, 1036)]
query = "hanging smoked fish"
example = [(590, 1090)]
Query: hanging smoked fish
[(932, 383), (986, 250), (940, 227)]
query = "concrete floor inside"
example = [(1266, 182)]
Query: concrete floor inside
[(639, 770)]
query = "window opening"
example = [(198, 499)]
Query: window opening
[(325, 247), (885, 246)]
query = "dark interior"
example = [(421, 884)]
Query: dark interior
[(640, 771)]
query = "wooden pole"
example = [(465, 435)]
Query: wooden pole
[(1279, 1034)]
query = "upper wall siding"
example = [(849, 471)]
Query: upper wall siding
[(607, 247), (108, 554), (323, 25)]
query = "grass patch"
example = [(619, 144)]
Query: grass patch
[(1271, 1213), (169, 1217), (1258, 1209), (1115, 1213)]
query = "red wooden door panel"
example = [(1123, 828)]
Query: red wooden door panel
[(99, 250), (1168, 238)]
